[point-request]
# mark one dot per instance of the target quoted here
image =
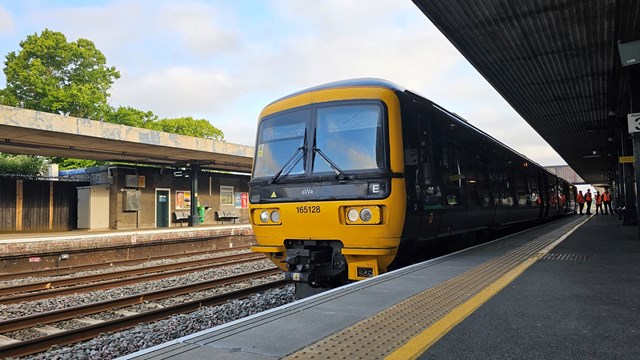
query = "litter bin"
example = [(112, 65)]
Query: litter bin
[(201, 213)]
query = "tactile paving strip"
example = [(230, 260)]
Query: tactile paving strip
[(381, 334)]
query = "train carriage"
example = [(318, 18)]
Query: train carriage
[(350, 174)]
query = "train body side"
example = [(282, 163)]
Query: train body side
[(460, 180)]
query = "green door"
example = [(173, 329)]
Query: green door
[(162, 208)]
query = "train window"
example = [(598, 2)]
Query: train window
[(451, 176), (351, 136), (450, 166), (426, 159), (279, 139)]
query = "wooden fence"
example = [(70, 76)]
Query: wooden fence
[(38, 205)]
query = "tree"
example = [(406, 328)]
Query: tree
[(50, 74), (21, 164), (188, 126), (130, 116)]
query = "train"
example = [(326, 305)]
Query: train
[(352, 177)]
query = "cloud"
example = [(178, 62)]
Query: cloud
[(204, 29), (7, 24), (175, 91)]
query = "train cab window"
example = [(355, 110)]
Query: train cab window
[(280, 143), (350, 136)]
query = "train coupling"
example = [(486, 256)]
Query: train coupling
[(316, 265)]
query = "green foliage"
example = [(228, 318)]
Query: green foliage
[(21, 164), (49, 74), (188, 126), (71, 163), (130, 116), (148, 120)]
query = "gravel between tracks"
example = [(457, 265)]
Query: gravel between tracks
[(109, 346), (35, 307), (112, 345)]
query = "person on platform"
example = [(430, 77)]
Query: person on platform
[(580, 201), (606, 201), (588, 199), (598, 203)]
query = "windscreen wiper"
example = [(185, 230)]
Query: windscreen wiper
[(286, 164), (334, 167)]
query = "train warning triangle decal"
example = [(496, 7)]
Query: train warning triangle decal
[(273, 194)]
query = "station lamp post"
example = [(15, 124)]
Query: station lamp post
[(194, 219)]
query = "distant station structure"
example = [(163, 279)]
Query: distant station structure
[(162, 179), (567, 173)]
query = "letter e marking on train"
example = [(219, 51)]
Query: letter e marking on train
[(375, 188)]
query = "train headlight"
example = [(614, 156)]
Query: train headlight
[(352, 215), (266, 217), (275, 216), (365, 215)]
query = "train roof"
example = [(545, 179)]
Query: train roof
[(361, 82), (376, 82)]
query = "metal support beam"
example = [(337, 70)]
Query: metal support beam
[(634, 94), (194, 219)]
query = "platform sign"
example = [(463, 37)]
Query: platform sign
[(625, 159), (633, 121)]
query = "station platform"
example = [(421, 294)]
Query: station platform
[(18, 244), (565, 290), (29, 252)]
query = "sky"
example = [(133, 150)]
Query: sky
[(225, 60)]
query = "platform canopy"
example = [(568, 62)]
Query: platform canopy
[(37, 133), (557, 63)]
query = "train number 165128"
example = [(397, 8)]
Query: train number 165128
[(308, 209)]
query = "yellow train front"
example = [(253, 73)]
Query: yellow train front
[(327, 195)]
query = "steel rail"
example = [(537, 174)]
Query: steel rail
[(33, 346), (119, 282), (65, 270), (46, 285), (83, 310)]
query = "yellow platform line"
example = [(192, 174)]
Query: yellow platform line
[(423, 341)]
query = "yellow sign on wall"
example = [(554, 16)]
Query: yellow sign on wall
[(625, 159)]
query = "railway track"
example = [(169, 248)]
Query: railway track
[(66, 270), (65, 337), (80, 284)]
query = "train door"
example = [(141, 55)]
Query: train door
[(431, 196), (451, 179)]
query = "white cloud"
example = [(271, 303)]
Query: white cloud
[(204, 28), (6, 21), (175, 91)]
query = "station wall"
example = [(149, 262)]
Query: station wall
[(134, 195)]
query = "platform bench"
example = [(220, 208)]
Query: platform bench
[(181, 216), (223, 216)]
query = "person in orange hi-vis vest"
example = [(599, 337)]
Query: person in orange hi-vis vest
[(580, 201), (606, 200), (598, 203), (588, 200)]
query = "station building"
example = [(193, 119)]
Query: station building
[(126, 197)]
